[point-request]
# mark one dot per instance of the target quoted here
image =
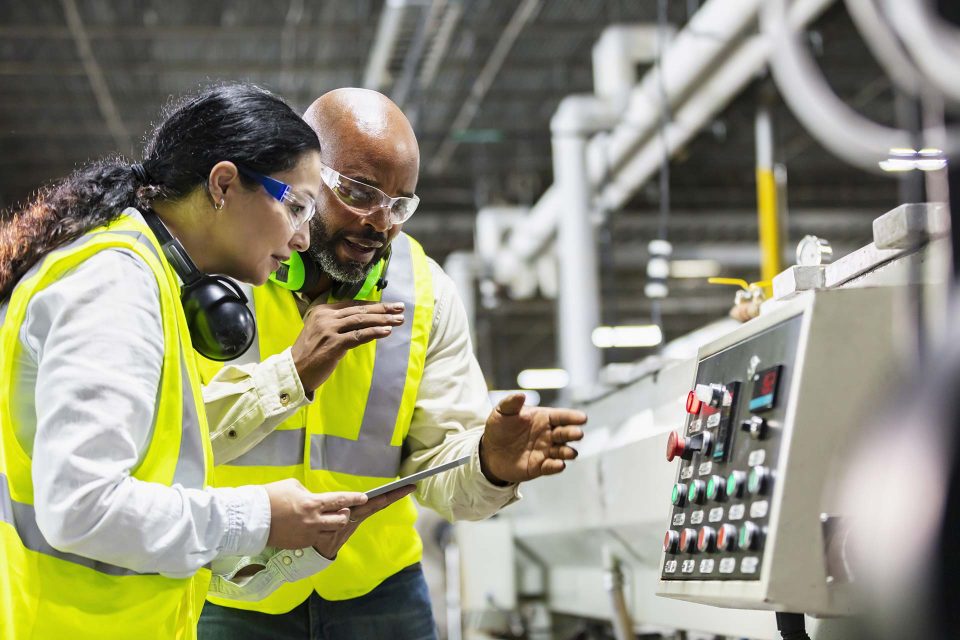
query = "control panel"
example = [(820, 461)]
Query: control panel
[(768, 417), (728, 452)]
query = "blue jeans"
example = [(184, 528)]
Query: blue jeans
[(398, 609)]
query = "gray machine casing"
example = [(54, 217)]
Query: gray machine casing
[(843, 361)]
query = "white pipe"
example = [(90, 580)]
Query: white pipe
[(718, 90), (934, 43), (694, 52), (529, 237), (490, 228), (616, 54), (883, 44), (461, 267), (843, 131), (576, 118), (698, 49)]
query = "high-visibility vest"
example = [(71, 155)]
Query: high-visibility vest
[(46, 593), (349, 438)]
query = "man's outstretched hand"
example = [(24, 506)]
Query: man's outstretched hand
[(522, 443)]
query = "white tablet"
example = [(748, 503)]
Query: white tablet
[(416, 477)]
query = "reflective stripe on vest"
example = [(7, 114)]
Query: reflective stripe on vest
[(371, 454), (24, 520), (279, 449)]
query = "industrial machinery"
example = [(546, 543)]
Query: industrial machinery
[(755, 522), (761, 417)]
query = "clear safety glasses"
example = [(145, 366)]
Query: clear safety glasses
[(300, 207), (364, 199)]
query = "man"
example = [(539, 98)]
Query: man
[(396, 390)]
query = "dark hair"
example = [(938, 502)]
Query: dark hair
[(238, 122)]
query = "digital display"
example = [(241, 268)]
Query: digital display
[(765, 384)]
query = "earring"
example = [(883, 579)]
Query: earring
[(219, 205)]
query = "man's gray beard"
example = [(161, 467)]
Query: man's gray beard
[(351, 272)]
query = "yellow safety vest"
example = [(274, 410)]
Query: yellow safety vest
[(45, 593), (349, 438)]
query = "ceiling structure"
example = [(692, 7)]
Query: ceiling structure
[(480, 79)]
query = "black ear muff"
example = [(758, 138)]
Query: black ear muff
[(221, 325)]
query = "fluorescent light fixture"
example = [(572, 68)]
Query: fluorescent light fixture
[(927, 159), (694, 268), (543, 379), (496, 395), (641, 335)]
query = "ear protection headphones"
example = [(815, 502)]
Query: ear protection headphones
[(222, 327), (302, 272)]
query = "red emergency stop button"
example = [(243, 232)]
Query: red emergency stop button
[(676, 445)]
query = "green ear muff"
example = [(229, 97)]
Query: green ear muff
[(291, 274), (372, 279), (301, 272)]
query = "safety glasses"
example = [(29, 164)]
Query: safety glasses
[(300, 207), (364, 199)]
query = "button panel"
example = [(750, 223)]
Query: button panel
[(729, 447)]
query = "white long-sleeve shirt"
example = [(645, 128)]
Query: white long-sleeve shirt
[(86, 391), (243, 404)]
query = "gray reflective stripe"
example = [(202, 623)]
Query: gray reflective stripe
[(371, 454), (3, 311), (363, 457), (283, 448), (24, 520), (191, 466), (6, 503)]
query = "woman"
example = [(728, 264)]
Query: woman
[(105, 522)]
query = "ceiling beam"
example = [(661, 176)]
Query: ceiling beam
[(524, 14)]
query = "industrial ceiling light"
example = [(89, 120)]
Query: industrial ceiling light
[(928, 159), (694, 268), (543, 379), (641, 335)]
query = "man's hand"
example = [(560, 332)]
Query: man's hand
[(330, 541), (330, 330), (522, 443), (299, 518)]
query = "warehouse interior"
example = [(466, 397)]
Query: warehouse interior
[(587, 167)]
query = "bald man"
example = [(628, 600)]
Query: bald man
[(368, 374)]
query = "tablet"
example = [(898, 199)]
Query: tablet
[(416, 477)]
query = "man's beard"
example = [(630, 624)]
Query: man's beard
[(323, 247)]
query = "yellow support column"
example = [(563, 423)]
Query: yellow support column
[(768, 219)]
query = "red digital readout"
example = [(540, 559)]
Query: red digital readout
[(768, 383)]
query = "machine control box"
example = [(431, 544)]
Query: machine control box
[(721, 502), (771, 410)]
